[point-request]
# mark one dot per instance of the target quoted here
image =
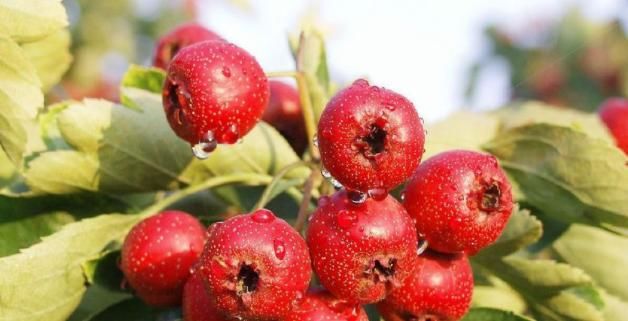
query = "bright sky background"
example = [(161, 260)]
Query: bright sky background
[(421, 49)]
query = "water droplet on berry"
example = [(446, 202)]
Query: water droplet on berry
[(230, 135), (205, 146), (327, 175), (402, 196), (280, 249), (361, 83), (226, 72), (378, 193), (390, 107), (346, 219), (263, 216), (357, 197), (422, 246)]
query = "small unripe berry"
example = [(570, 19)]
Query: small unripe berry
[(614, 113)]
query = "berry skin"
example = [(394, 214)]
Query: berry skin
[(157, 255), (460, 201), (182, 36), (614, 113), (255, 266), (320, 305), (215, 92), (197, 305), (440, 289), (284, 113), (370, 137), (362, 251)]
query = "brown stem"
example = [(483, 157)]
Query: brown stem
[(305, 202)]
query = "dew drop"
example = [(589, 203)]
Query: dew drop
[(390, 107), (346, 219), (226, 72), (403, 196), (263, 216), (357, 197), (361, 83), (280, 249), (378, 193), (205, 146)]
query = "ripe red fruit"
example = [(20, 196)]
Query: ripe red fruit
[(157, 255), (440, 289), (284, 113), (182, 36), (320, 305), (197, 305), (370, 137), (361, 251), (215, 92), (460, 201), (614, 113), (255, 266)]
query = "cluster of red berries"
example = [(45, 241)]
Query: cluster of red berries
[(363, 245)]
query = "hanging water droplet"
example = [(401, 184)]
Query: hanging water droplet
[(361, 83), (263, 216), (205, 146), (422, 246), (280, 249), (378, 193), (357, 197)]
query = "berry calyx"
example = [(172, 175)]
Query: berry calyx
[(370, 137), (182, 36), (320, 305), (460, 201), (284, 113), (197, 305), (157, 255), (214, 93), (360, 252), (255, 266), (614, 113), (440, 289)]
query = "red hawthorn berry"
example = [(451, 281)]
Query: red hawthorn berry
[(255, 266), (215, 92), (362, 251), (614, 113), (370, 137), (182, 36), (197, 305), (320, 305), (460, 201), (158, 253), (440, 289), (284, 113)]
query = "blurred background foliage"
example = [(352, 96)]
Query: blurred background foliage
[(573, 62)]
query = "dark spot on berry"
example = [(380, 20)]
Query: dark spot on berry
[(174, 49), (248, 279), (490, 197), (388, 270), (375, 140)]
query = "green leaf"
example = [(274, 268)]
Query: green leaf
[(137, 82), (50, 56), (96, 300), (600, 253), (26, 21), (131, 309), (53, 267), (539, 113), (571, 176), (490, 314), (119, 150), (311, 60), (20, 97), (498, 298), (522, 230), (472, 130)]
